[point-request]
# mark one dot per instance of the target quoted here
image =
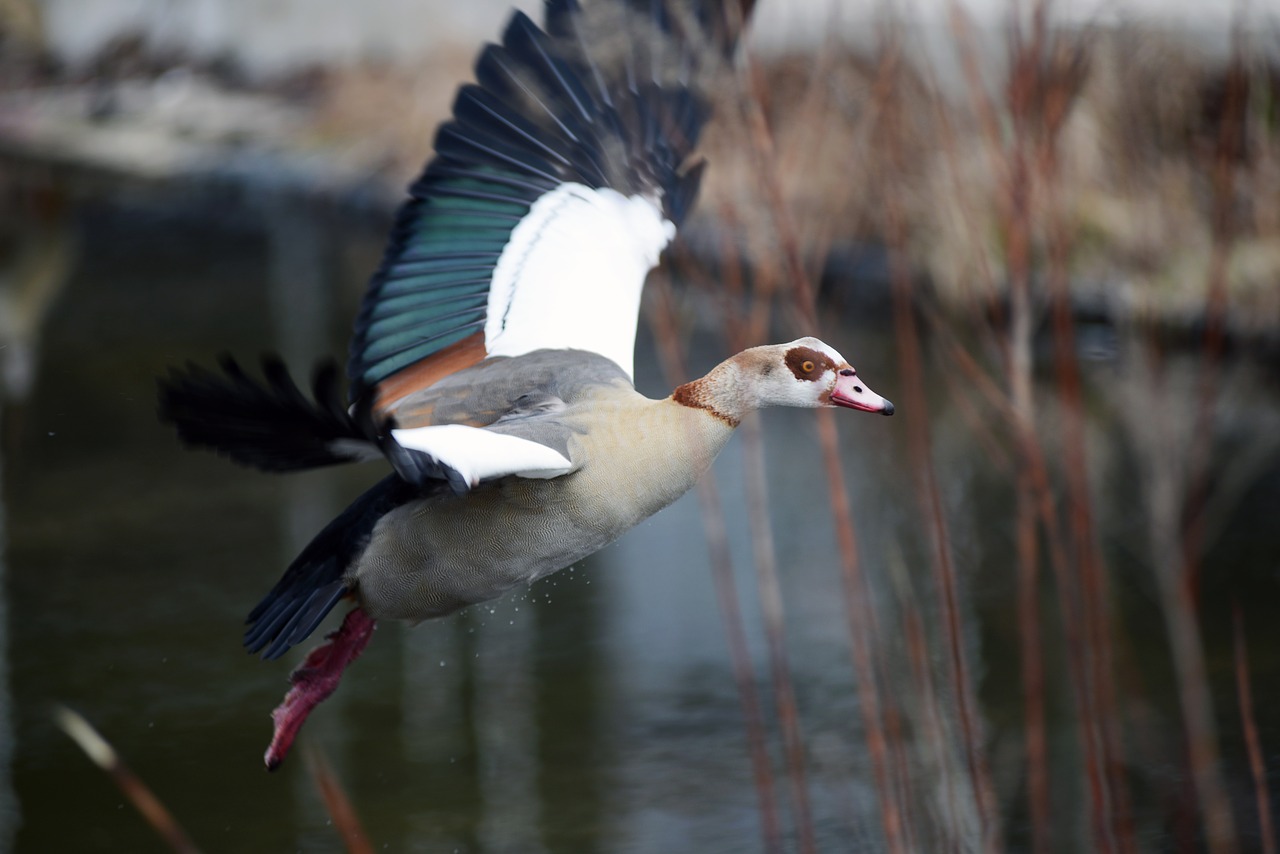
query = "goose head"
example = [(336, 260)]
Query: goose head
[(807, 373)]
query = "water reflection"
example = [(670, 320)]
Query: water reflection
[(10, 813), (597, 710)]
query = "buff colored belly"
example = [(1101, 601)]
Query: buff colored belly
[(431, 557)]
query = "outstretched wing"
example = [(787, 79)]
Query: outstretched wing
[(562, 176)]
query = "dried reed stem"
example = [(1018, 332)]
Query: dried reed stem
[(984, 109), (931, 509), (927, 491), (336, 802), (1017, 214), (1227, 154), (893, 725), (857, 592), (715, 531), (102, 754), (1076, 644), (1197, 706), (765, 558), (1034, 498), (1244, 693), (771, 608), (918, 654), (862, 638), (1061, 69), (743, 676), (1092, 581), (1032, 652), (1178, 583)]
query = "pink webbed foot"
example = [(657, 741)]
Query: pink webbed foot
[(315, 679)]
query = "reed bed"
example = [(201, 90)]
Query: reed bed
[(1110, 172)]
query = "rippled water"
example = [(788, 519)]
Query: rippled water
[(596, 711)]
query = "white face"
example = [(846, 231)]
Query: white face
[(815, 375)]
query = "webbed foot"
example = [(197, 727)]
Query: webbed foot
[(315, 679)]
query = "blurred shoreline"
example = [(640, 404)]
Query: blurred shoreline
[(1130, 186)]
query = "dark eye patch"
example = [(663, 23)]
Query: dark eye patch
[(818, 362)]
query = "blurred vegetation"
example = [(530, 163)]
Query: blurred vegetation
[(1125, 123)]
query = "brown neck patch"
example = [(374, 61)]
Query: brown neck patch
[(695, 395)]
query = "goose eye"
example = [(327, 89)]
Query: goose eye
[(807, 366)]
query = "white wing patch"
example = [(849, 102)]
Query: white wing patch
[(572, 273), (478, 454)]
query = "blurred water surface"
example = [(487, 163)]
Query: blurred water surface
[(596, 711)]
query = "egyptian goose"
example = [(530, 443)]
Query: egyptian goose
[(491, 363)]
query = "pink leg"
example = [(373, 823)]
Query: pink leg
[(315, 679)]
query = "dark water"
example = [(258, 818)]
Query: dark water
[(596, 711)]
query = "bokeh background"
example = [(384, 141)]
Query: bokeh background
[(1033, 611)]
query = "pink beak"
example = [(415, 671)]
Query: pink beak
[(851, 392)]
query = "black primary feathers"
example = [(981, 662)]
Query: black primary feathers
[(270, 425)]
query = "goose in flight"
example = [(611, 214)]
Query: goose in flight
[(491, 362)]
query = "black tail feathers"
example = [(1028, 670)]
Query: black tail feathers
[(268, 424), (315, 581)]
